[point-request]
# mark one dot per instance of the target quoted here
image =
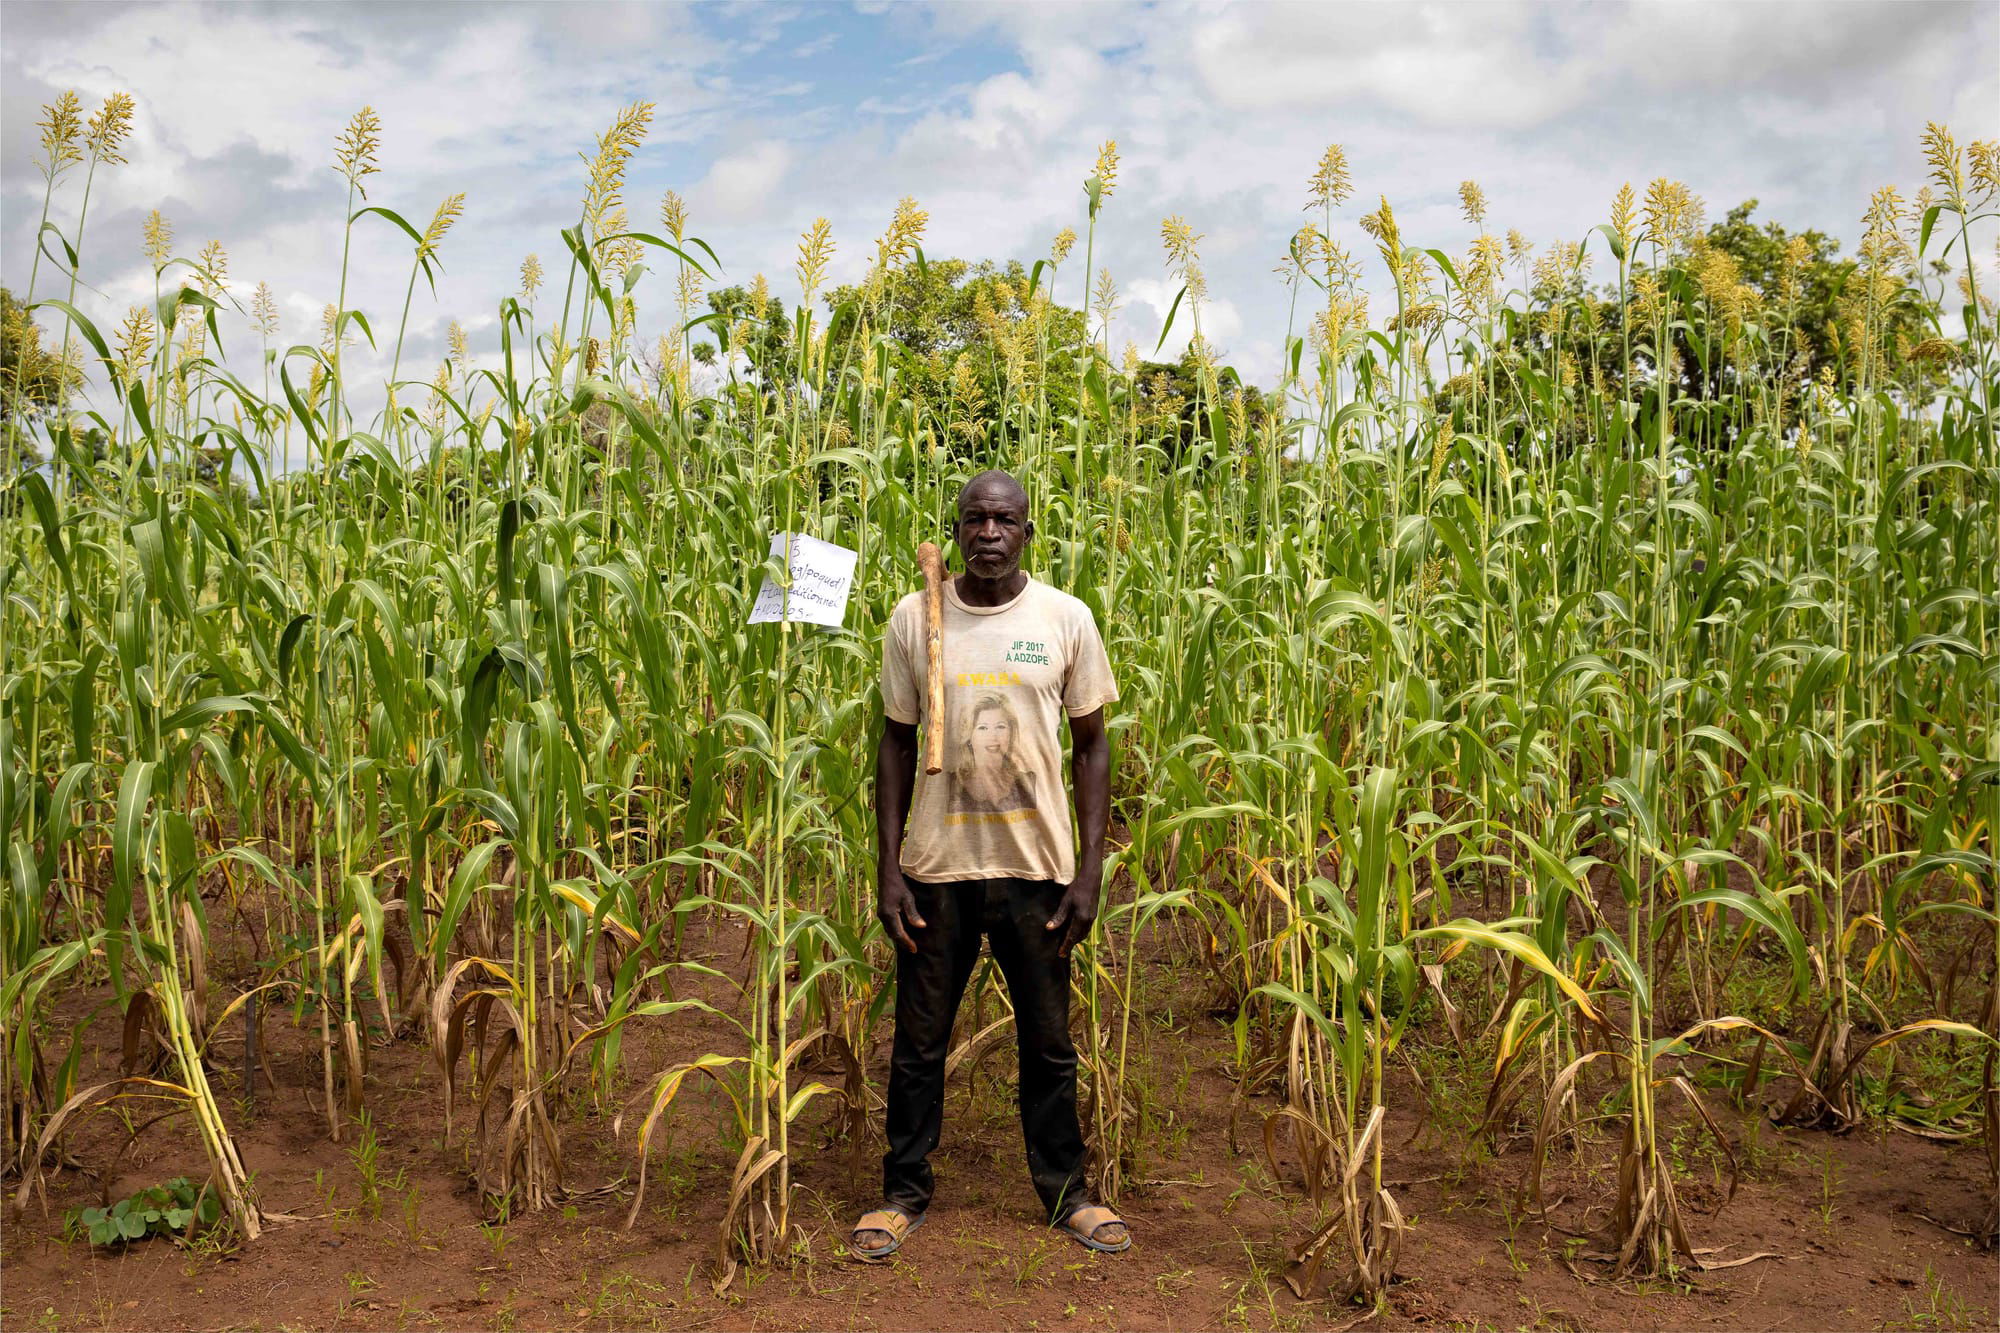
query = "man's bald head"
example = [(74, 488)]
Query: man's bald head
[(992, 486), (992, 526)]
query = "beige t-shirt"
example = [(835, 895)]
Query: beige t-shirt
[(1000, 807)]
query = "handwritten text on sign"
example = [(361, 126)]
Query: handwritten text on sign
[(822, 576)]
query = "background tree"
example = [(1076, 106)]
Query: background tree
[(754, 323), (1803, 294), (1171, 400), (962, 333), (1748, 308), (983, 343), (32, 379)]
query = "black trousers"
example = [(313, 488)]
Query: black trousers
[(1013, 915)]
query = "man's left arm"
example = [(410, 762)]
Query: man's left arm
[(1090, 780)]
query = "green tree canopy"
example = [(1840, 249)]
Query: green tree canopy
[(32, 380), (965, 333), (764, 335), (977, 343), (1748, 308)]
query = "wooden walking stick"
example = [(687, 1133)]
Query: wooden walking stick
[(932, 561)]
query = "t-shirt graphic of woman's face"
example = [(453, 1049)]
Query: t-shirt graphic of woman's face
[(989, 777), (992, 739)]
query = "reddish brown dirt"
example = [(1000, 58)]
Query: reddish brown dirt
[(1212, 1227)]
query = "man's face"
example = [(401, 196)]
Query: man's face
[(992, 528)]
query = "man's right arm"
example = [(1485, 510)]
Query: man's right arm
[(895, 780)]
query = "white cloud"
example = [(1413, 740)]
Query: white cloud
[(1471, 64), (743, 182), (1220, 112)]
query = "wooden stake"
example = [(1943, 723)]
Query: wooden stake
[(932, 561)]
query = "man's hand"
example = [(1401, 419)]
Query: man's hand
[(896, 909), (1077, 911)]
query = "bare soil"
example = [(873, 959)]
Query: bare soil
[(1843, 1218)]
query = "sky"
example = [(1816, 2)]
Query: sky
[(990, 115)]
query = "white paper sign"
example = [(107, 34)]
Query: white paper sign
[(822, 576)]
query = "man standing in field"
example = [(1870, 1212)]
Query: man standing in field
[(987, 851)]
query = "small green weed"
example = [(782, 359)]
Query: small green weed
[(158, 1210), (1829, 1191), (1938, 1310), (366, 1154), (496, 1237), (413, 1227)]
